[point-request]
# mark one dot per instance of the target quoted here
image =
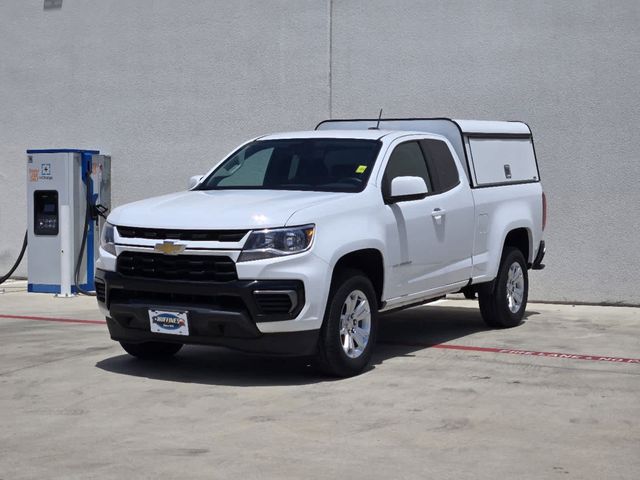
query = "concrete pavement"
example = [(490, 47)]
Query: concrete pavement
[(73, 405)]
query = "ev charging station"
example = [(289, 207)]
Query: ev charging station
[(68, 191)]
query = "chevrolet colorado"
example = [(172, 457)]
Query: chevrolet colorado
[(295, 242)]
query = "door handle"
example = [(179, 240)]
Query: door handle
[(438, 214)]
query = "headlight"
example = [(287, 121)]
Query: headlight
[(277, 242), (107, 241)]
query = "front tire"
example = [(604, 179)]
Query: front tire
[(350, 325), (503, 305), (151, 350)]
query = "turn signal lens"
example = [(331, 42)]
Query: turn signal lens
[(107, 240)]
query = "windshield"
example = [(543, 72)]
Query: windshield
[(319, 164)]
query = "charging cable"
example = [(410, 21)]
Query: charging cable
[(6, 277)]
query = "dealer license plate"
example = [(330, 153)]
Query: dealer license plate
[(172, 323)]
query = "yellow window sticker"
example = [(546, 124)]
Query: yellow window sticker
[(361, 169)]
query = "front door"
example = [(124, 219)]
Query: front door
[(429, 240)]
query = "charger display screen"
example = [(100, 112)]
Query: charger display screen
[(45, 216)]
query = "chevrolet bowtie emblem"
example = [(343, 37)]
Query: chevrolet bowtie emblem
[(169, 248)]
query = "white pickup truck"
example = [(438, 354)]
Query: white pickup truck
[(295, 242)]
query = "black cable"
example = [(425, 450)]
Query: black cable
[(87, 219), (6, 277)]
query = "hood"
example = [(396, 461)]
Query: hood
[(218, 209)]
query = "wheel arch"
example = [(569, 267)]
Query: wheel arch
[(520, 238), (367, 260), (516, 234)]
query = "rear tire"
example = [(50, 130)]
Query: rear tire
[(350, 325), (151, 350), (503, 302)]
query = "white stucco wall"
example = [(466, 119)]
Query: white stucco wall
[(166, 87)]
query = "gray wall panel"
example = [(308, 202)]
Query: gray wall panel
[(567, 68), (165, 87), (168, 87)]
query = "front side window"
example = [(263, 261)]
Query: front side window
[(318, 164), (405, 160)]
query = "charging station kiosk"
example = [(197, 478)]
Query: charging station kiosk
[(66, 191)]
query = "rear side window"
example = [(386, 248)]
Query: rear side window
[(406, 160), (441, 165)]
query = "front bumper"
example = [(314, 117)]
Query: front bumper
[(223, 314)]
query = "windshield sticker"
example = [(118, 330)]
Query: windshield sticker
[(361, 169)]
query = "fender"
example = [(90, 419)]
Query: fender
[(345, 227), (495, 218)]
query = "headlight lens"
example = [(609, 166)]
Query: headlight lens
[(277, 242), (107, 240)]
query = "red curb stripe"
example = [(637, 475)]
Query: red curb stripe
[(54, 319), (531, 353)]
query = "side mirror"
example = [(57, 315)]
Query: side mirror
[(407, 188), (193, 181)]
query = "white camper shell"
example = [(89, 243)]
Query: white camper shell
[(493, 152)]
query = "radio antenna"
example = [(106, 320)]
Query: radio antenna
[(377, 127)]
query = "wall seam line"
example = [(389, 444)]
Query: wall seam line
[(330, 73)]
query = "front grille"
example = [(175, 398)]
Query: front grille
[(100, 291), (198, 268), (275, 302), (172, 234)]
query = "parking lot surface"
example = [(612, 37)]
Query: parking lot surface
[(557, 397)]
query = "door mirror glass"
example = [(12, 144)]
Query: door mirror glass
[(407, 188)]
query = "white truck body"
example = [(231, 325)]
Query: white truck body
[(428, 245)]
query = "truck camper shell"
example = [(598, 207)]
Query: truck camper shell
[(493, 153)]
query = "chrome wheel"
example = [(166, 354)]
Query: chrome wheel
[(355, 324), (515, 287)]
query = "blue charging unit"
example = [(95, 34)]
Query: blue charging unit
[(61, 185)]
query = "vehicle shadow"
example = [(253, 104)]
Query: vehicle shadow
[(408, 331), (401, 334)]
